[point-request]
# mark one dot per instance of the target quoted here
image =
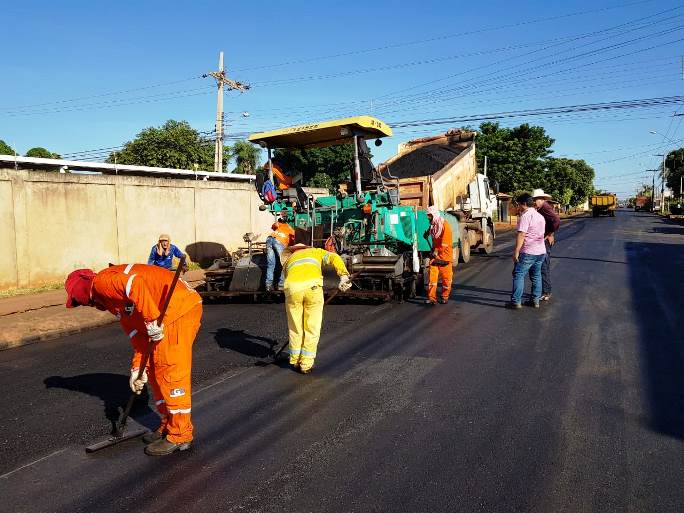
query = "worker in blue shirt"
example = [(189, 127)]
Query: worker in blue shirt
[(163, 252)]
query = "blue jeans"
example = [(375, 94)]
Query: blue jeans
[(273, 250), (527, 264), (546, 270)]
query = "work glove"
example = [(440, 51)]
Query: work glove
[(154, 331), (137, 384), (345, 283)]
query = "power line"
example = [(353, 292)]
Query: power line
[(101, 95), (626, 104), (441, 38)]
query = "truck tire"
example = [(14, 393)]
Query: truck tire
[(465, 247), (456, 253), (489, 247)]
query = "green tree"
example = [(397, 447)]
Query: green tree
[(320, 167), (674, 162), (569, 181), (246, 157), (174, 145), (42, 153), (515, 156), (5, 149)]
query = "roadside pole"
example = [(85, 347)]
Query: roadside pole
[(221, 80)]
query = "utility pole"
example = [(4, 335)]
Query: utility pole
[(222, 80)]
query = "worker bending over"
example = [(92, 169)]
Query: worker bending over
[(304, 299), (135, 293), (442, 257), (281, 237)]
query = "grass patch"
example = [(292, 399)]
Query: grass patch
[(32, 290)]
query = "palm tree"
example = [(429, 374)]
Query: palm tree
[(246, 157)]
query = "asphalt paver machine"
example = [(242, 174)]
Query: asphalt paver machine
[(383, 243)]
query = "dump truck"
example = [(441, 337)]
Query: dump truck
[(384, 243), (642, 203), (441, 170), (603, 204)]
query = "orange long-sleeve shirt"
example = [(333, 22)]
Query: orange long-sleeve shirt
[(142, 288), (283, 232), (443, 244)]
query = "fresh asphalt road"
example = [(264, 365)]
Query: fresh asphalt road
[(578, 406)]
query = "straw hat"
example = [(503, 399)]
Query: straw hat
[(539, 193), (287, 252)]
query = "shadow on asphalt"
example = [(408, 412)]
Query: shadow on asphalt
[(589, 259), (113, 390), (244, 343), (656, 296), (669, 230)]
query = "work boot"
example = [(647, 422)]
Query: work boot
[(513, 306), (269, 288), (152, 436), (162, 447), (443, 301), (545, 297), (305, 371), (430, 302), (532, 303)]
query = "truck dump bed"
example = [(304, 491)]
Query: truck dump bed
[(603, 204), (433, 170)]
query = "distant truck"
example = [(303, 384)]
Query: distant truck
[(441, 170), (603, 204), (642, 203)]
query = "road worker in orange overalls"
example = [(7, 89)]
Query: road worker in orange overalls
[(442, 257), (135, 293)]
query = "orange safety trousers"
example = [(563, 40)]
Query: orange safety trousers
[(169, 371), (446, 274)]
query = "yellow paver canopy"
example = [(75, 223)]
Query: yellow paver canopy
[(325, 133)]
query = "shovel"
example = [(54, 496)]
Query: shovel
[(120, 434)]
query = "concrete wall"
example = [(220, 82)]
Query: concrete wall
[(51, 223)]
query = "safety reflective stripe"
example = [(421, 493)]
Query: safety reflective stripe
[(129, 284), (187, 410), (132, 333), (294, 351), (161, 401), (311, 261), (326, 258), (312, 354), (128, 268)]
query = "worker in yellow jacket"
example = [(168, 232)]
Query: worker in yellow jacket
[(304, 299)]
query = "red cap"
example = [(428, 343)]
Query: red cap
[(78, 285)]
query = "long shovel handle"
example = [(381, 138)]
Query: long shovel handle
[(143, 364)]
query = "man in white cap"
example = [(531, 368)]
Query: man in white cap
[(552, 221)]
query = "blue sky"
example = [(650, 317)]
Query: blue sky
[(79, 76)]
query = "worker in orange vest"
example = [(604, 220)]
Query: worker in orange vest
[(442, 257), (282, 235), (135, 293)]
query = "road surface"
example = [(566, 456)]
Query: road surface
[(578, 406)]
